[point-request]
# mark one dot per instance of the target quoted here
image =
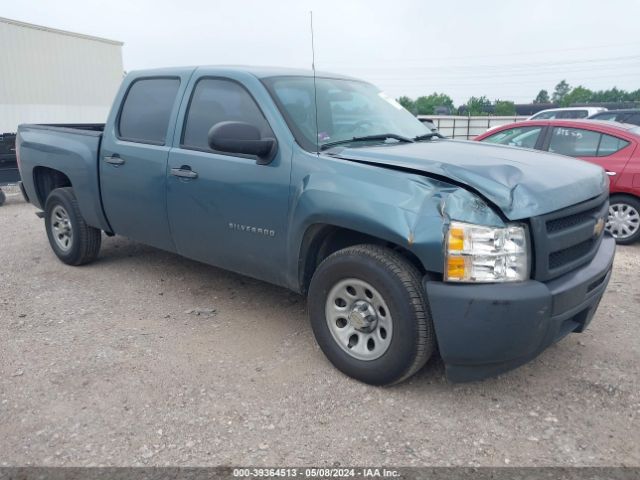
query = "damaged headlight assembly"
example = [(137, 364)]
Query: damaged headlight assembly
[(477, 253)]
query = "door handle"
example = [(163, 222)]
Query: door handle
[(184, 172), (114, 160), (611, 174)]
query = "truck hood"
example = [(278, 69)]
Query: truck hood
[(522, 183)]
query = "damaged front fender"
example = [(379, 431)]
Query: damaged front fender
[(409, 210)]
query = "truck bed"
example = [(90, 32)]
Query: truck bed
[(77, 128), (71, 149)]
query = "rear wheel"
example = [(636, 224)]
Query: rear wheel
[(624, 219), (369, 314), (72, 240), (3, 197)]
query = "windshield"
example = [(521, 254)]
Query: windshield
[(346, 109)]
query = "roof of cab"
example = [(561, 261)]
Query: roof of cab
[(257, 71)]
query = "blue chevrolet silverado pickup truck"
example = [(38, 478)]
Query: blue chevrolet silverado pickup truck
[(404, 242)]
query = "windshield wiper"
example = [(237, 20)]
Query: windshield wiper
[(380, 136), (428, 136)]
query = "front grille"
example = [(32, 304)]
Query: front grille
[(567, 255), (567, 222), (567, 238)]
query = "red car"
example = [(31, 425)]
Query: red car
[(613, 146)]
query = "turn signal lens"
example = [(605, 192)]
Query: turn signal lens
[(456, 239), (455, 267)]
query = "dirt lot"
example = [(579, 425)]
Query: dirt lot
[(145, 358)]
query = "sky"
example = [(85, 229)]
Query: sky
[(506, 50)]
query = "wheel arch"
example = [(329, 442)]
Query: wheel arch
[(322, 239), (634, 196), (46, 179)]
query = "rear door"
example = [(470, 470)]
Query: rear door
[(133, 158), (607, 150)]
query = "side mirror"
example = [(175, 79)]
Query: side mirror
[(241, 137)]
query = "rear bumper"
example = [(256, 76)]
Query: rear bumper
[(484, 330)]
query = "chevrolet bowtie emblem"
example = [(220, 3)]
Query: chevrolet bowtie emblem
[(598, 227)]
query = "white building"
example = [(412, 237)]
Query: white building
[(53, 76)]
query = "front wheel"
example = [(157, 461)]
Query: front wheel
[(624, 219), (72, 240), (369, 314), (3, 197)]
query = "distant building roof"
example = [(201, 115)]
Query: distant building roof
[(60, 32)]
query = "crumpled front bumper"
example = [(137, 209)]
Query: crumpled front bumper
[(487, 329)]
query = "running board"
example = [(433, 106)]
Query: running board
[(40, 214)]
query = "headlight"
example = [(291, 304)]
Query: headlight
[(476, 253)]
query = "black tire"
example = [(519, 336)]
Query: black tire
[(399, 284), (3, 197), (632, 203), (84, 245)]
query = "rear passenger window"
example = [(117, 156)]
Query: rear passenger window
[(610, 145), (577, 142), (574, 142), (214, 101), (147, 109)]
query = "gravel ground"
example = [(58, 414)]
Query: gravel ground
[(146, 358)]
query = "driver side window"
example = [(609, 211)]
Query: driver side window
[(217, 100)]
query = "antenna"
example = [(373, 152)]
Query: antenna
[(315, 91)]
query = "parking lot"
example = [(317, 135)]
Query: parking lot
[(146, 358)]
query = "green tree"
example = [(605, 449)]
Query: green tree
[(504, 107), (479, 106), (427, 105), (407, 103), (560, 91), (613, 95), (577, 95), (634, 96), (542, 97)]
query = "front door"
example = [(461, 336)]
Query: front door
[(225, 209)]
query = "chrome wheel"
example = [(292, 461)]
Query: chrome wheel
[(359, 319), (61, 228), (623, 221)]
